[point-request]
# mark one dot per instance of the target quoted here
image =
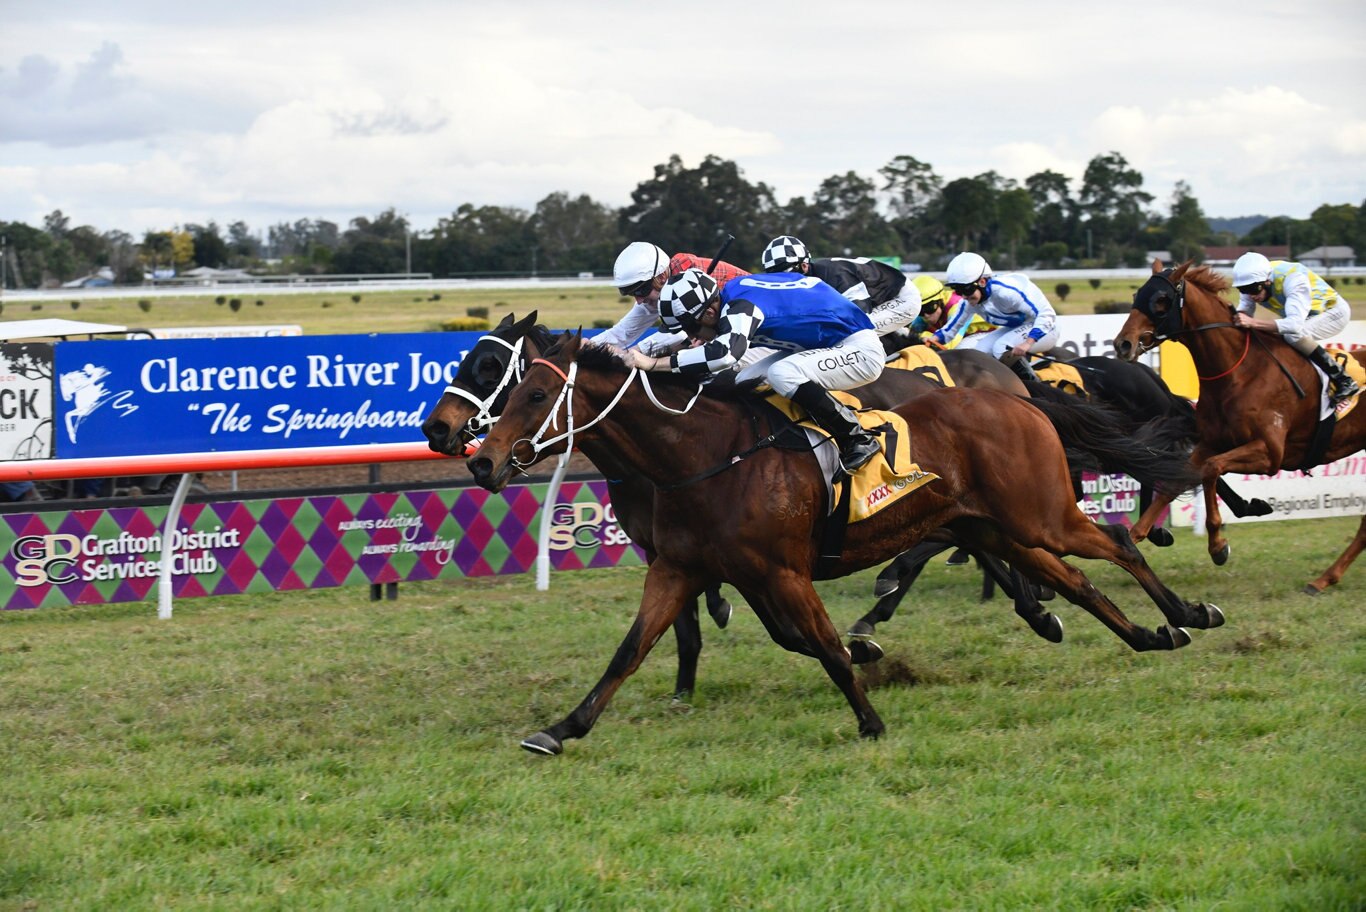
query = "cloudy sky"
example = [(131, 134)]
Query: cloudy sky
[(143, 115)]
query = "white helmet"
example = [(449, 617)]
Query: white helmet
[(639, 262), (786, 254), (966, 269), (1250, 269), (684, 297)]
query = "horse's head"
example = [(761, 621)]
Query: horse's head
[(1157, 311), (477, 393), (536, 409)]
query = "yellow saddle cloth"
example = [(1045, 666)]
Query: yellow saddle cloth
[(888, 476), (924, 361), (1064, 376)]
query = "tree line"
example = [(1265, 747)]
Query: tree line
[(906, 210)]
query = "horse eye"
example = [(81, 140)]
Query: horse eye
[(538, 395)]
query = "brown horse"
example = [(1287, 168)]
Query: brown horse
[(1258, 410), (731, 506)]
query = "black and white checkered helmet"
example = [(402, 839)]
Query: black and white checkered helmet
[(684, 297), (785, 254)]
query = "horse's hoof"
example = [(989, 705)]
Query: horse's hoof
[(861, 630), (1050, 628), (1176, 637), (1220, 557), (1213, 616), (1162, 537), (1257, 507), (957, 558), (720, 613), (544, 744), (861, 652), (872, 734), (1311, 589), (884, 587)]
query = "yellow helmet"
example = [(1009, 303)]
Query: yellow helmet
[(932, 291)]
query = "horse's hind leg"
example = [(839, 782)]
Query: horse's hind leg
[(1121, 551), (788, 595), (908, 565), (718, 606), (1333, 574), (667, 587), (688, 634), (1160, 535)]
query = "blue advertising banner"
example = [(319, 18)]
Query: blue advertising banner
[(141, 397)]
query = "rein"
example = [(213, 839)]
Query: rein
[(566, 397)]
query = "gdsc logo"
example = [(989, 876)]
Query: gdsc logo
[(45, 559)]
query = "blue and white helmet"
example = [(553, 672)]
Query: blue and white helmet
[(785, 254), (684, 297)]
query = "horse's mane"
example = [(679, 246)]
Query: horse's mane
[(1206, 279), (604, 358)]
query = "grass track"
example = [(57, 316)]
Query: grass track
[(317, 750)]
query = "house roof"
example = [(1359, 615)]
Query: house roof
[(1271, 252), (1330, 252)]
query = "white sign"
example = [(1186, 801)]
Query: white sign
[(25, 400)]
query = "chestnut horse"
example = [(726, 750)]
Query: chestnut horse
[(731, 506), (1259, 405)]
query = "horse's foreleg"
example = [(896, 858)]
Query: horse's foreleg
[(1333, 574), (789, 595), (667, 587), (1144, 527), (1254, 457), (1112, 543), (688, 634), (1073, 585)]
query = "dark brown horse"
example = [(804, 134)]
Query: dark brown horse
[(1259, 405), (729, 506)]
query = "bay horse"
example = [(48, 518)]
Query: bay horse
[(730, 506), (1257, 413)]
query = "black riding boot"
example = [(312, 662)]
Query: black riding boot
[(1344, 387), (1022, 369), (857, 445)]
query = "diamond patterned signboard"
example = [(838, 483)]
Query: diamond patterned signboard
[(92, 557)]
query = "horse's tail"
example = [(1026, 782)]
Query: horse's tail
[(1096, 436), (1049, 393)]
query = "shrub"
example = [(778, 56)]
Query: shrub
[(327, 303), (603, 324), (464, 324), (35, 307), (235, 304), (1361, 280), (260, 303), (144, 305), (220, 300), (1095, 283), (1062, 290), (1112, 307), (355, 299), (479, 312), (75, 305), (436, 296)]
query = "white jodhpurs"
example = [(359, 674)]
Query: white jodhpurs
[(855, 361), (1319, 327), (999, 341), (897, 313)]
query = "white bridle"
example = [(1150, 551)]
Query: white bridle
[(484, 418), (566, 398)]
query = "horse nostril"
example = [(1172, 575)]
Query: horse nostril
[(481, 467)]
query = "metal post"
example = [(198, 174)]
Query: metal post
[(408, 256), (164, 579)]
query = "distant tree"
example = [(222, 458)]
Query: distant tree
[(692, 209), (1298, 234), (372, 246), (1112, 200), (478, 239), (1338, 223), (242, 244), (1055, 211), (1187, 231), (1015, 216), (209, 247), (847, 208), (574, 234), (969, 210)]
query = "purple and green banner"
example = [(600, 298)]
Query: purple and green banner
[(94, 557)]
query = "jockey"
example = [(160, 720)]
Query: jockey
[(1309, 309), (639, 273), (1025, 320), (938, 304), (880, 290), (824, 343)]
